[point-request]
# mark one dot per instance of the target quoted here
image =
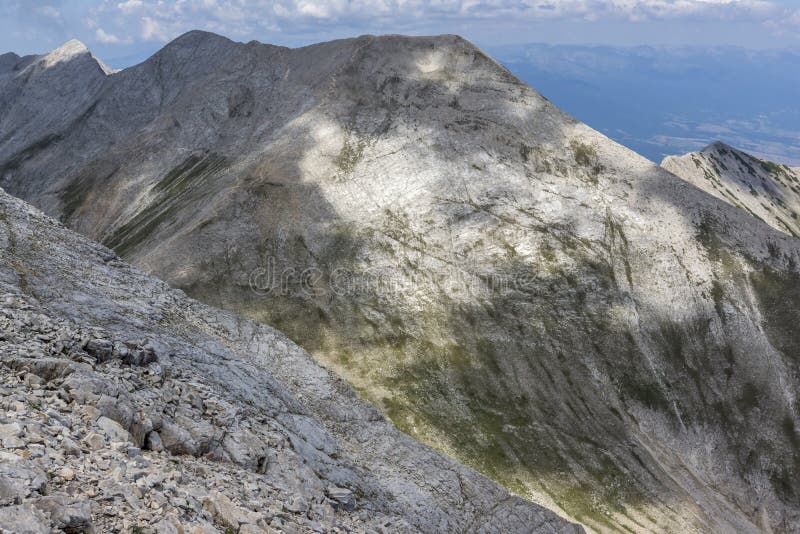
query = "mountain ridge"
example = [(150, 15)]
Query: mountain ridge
[(744, 181), (34, 113), (519, 291)]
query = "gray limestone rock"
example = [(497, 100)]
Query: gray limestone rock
[(23, 519), (153, 442), (72, 516)]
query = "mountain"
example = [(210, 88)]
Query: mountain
[(127, 403), (501, 281), (768, 191), (41, 96)]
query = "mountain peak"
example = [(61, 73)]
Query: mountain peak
[(43, 94), (8, 56), (718, 146), (8, 61), (71, 48), (70, 51), (196, 37), (768, 191)]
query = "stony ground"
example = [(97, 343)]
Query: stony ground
[(68, 462)]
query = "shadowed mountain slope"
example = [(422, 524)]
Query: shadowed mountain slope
[(503, 282), (767, 190), (245, 414)]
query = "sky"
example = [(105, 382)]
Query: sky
[(124, 32)]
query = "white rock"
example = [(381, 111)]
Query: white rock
[(94, 441), (113, 430)]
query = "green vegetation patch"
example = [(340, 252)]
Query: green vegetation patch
[(349, 156), (778, 293), (775, 170), (171, 192), (586, 156), (77, 193)]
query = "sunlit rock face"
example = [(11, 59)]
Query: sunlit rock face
[(768, 191), (501, 281)]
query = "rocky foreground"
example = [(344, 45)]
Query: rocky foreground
[(102, 436), (128, 407)]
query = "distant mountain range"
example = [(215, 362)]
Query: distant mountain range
[(501, 281), (661, 101)]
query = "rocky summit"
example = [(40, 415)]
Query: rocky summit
[(502, 282), (768, 191)]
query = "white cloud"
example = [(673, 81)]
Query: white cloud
[(153, 30), (439, 8), (160, 20), (104, 37), (789, 24), (48, 11), (318, 10), (130, 5)]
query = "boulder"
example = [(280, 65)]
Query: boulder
[(73, 516), (20, 480), (100, 349), (23, 519), (343, 497), (177, 440), (153, 442), (226, 513), (112, 429)]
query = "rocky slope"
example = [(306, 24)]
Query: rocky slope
[(503, 282), (128, 407), (767, 190)]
